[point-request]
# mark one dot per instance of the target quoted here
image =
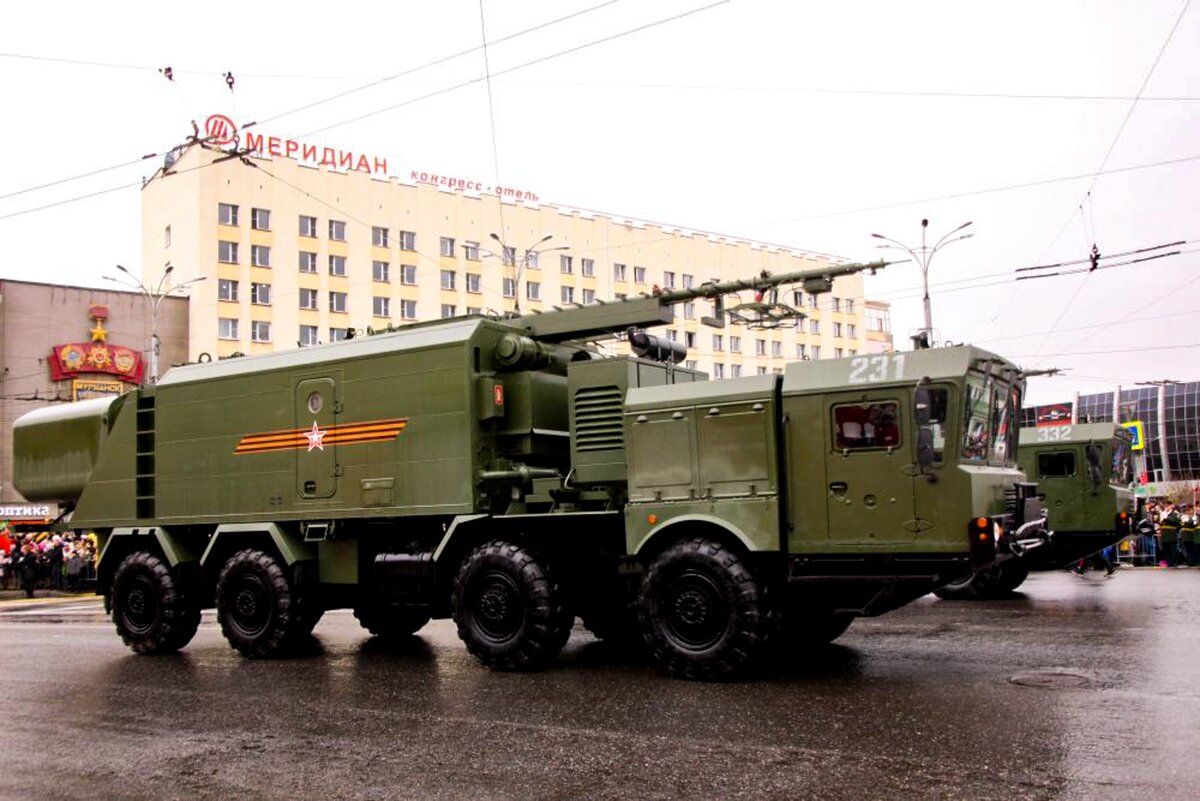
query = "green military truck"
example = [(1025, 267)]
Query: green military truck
[(1084, 473), (505, 473)]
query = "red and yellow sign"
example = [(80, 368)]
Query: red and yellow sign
[(316, 438), (97, 356)]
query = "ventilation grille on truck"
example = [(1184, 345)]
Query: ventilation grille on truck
[(598, 419)]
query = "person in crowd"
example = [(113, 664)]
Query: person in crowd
[(1187, 536), (1168, 536), (28, 568)]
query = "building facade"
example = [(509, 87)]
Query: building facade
[(295, 253), (62, 343)]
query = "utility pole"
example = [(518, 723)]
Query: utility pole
[(923, 256), (154, 298)]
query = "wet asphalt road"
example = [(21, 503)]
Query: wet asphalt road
[(1075, 688)]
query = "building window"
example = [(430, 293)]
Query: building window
[(471, 251), (227, 214), (260, 331), (687, 281), (718, 370), (167, 237), (835, 303), (777, 350), (849, 305), (735, 371), (337, 265), (473, 283), (308, 299), (448, 310), (227, 290), (798, 299), (812, 301), (672, 336), (533, 290), (447, 247), (260, 294), (668, 279), (379, 236), (474, 310), (308, 226), (447, 279), (566, 264), (639, 275), (408, 309), (408, 274), (800, 352), (260, 255), (760, 371), (408, 240), (260, 219), (689, 338), (837, 353), (690, 364), (531, 260), (381, 307), (308, 262), (337, 302), (814, 326), (379, 271), (510, 288), (718, 342), (760, 347), (568, 294), (589, 296), (308, 335), (689, 311), (337, 230), (588, 268), (837, 329), (508, 256), (227, 252), (618, 272), (851, 330), (735, 344), (816, 351), (227, 328), (338, 334)]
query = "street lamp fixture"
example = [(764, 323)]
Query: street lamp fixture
[(154, 294), (508, 257), (923, 256)]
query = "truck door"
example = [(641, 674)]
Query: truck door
[(316, 418), (869, 468)]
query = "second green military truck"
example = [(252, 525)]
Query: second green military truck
[(1084, 476), (504, 472)]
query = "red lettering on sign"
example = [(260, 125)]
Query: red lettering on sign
[(220, 130)]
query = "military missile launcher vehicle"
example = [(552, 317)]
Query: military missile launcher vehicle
[(507, 474), (1083, 473)]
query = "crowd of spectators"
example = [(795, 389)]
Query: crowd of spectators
[(1168, 535), (41, 560)]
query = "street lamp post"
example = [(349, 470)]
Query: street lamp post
[(923, 256), (154, 298), (511, 261)]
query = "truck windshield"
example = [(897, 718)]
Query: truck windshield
[(989, 420), (1122, 467), (977, 409)]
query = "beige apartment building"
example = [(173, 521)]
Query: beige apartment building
[(293, 252)]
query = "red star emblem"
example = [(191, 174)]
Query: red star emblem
[(315, 436)]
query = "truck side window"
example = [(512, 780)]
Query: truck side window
[(1056, 464), (939, 408), (866, 425), (976, 424)]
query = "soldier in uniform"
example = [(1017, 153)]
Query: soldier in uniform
[(1168, 537), (1187, 536)]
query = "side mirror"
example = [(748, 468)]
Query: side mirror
[(924, 448), (921, 407), (923, 416), (1094, 473)]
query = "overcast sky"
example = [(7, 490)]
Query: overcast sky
[(810, 125)]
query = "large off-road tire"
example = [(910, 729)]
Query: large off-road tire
[(151, 607), (703, 613), (1012, 575), (509, 611), (392, 622), (982, 585), (257, 606)]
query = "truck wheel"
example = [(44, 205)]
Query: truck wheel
[(152, 612), (702, 611), (256, 606), (392, 622), (1012, 575), (508, 609)]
